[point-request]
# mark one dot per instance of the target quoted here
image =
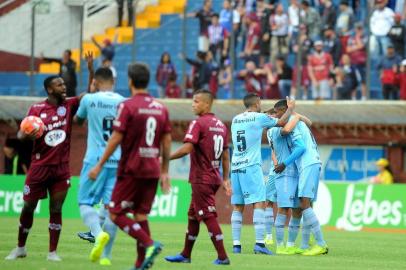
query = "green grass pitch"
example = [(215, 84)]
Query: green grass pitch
[(361, 250)]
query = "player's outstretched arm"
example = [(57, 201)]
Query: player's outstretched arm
[(166, 150), (226, 172), (306, 120), (290, 125), (112, 145), (184, 150)]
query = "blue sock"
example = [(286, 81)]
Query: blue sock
[(310, 219), (111, 229), (294, 225), (236, 224), (259, 225), (305, 236), (91, 219), (280, 228), (269, 220)]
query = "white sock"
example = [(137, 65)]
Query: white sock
[(91, 219)]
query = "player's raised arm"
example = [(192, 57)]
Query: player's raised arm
[(166, 150), (226, 172), (112, 145)]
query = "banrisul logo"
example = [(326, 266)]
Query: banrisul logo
[(362, 209), (165, 205)]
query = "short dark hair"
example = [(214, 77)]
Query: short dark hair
[(250, 99), (48, 80), (68, 52), (270, 111), (139, 75), (283, 103), (215, 15), (306, 3), (205, 92), (104, 74)]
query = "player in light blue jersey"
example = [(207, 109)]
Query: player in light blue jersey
[(100, 110), (309, 167), (246, 173), (286, 182)]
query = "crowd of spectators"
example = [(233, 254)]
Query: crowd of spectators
[(268, 36)]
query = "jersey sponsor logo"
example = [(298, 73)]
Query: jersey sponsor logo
[(92, 105), (55, 137), (54, 118), (189, 136), (43, 115), (238, 163), (104, 106), (245, 120), (55, 125), (26, 189), (149, 111), (148, 152), (216, 129), (215, 164), (39, 105), (155, 104), (218, 122), (61, 111)]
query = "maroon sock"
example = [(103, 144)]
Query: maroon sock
[(54, 228), (216, 237), (193, 227), (133, 229), (140, 248), (26, 220)]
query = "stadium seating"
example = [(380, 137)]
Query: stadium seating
[(151, 42)]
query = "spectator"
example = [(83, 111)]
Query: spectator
[(172, 90), (204, 15), (130, 9), (381, 22), (270, 84), (329, 15), (284, 75), (225, 77), (347, 78), (293, 14), (17, 156), (332, 45), (164, 71), (385, 175), (279, 23), (229, 18), (202, 70), (252, 46), (253, 78), (345, 19), (306, 45), (218, 39), (214, 74), (107, 49), (311, 19), (388, 67), (356, 49), (263, 13), (402, 80), (320, 65), (397, 35), (67, 71)]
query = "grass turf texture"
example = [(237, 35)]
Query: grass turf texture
[(360, 250)]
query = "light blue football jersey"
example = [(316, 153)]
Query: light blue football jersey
[(246, 132), (282, 150), (311, 155), (100, 110)]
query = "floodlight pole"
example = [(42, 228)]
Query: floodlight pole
[(32, 60)]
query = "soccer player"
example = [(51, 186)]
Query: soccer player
[(206, 142), (309, 167), (49, 171), (100, 110), (246, 173), (286, 182), (142, 127)]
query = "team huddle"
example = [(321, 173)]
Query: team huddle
[(128, 154)]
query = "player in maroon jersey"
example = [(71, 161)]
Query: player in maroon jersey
[(142, 127), (49, 171), (206, 142)]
